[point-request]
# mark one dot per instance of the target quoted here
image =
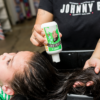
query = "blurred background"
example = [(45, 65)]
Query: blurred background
[(17, 18)]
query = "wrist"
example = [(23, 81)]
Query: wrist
[(96, 53), (95, 56)]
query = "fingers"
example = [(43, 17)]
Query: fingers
[(97, 69), (78, 84), (90, 83), (89, 63), (37, 28), (37, 37), (35, 42), (93, 62)]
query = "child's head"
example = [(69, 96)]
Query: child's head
[(10, 65), (26, 73)]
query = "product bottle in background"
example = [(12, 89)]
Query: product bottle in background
[(54, 46)]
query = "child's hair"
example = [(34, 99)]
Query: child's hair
[(41, 81), (18, 97)]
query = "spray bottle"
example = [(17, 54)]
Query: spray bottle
[(54, 46)]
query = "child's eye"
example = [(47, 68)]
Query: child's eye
[(8, 61)]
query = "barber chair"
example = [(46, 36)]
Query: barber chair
[(70, 60)]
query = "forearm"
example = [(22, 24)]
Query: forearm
[(96, 52), (43, 17)]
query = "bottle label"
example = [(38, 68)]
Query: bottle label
[(53, 38)]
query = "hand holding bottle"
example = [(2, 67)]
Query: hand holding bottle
[(37, 37)]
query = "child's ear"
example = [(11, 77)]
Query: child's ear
[(8, 90)]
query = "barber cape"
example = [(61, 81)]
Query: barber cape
[(4, 96)]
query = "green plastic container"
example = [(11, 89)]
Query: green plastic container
[(54, 46)]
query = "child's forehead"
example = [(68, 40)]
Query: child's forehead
[(21, 58), (25, 54)]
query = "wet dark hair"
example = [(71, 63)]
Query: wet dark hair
[(18, 97), (41, 81)]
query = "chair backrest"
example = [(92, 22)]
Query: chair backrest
[(73, 59)]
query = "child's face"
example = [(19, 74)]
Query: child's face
[(11, 63)]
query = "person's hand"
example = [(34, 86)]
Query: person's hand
[(37, 37), (78, 84), (95, 62)]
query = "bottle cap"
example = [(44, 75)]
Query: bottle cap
[(56, 58)]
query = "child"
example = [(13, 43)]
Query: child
[(33, 77)]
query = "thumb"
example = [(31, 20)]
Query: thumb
[(97, 69), (86, 65)]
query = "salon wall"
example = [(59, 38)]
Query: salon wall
[(20, 9), (18, 38)]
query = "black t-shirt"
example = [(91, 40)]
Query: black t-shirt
[(78, 21)]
